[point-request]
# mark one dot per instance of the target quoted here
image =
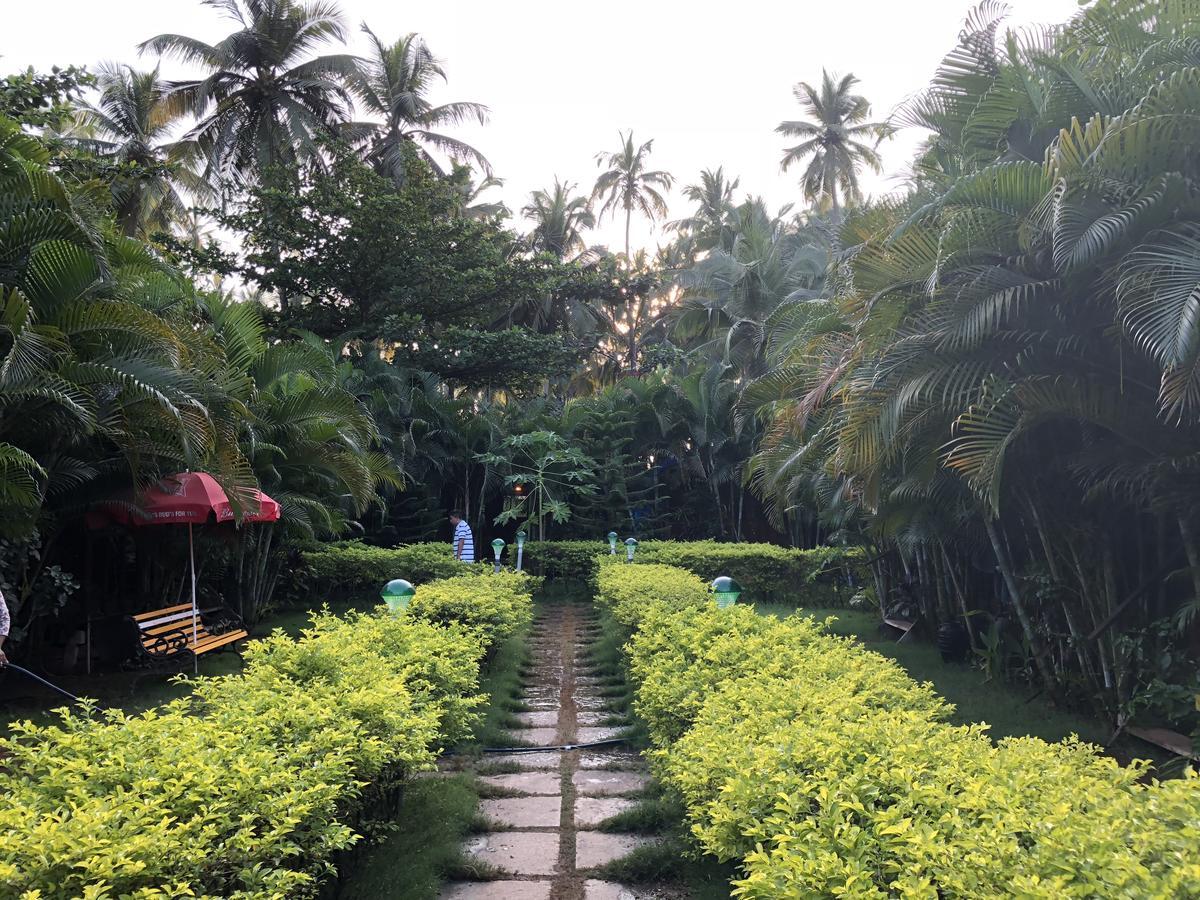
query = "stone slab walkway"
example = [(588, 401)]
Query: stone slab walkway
[(545, 808)]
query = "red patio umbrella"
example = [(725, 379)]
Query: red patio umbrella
[(191, 498)]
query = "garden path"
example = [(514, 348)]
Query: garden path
[(545, 806)]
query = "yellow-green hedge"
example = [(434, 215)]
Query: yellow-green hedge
[(244, 788), (825, 771), (494, 605)]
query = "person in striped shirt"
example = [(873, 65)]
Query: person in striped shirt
[(463, 541), (4, 626)]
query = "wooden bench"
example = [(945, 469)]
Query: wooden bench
[(908, 628), (167, 634), (1179, 744)]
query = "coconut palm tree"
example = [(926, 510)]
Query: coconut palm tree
[(837, 142), (473, 204), (266, 99), (393, 84), (560, 220), (130, 126), (713, 195), (627, 183)]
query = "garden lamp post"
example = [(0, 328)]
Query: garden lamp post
[(630, 546), (726, 590), (497, 549), (612, 543), (520, 549), (396, 594)]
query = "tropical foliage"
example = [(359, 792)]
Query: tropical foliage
[(281, 271), (1002, 376)]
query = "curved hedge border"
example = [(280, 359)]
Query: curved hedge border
[(245, 787), (827, 772)]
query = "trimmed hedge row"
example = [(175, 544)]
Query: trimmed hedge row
[(352, 570), (827, 576), (827, 772), (245, 788)]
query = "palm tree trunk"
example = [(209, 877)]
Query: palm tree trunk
[(628, 218), (1014, 592)]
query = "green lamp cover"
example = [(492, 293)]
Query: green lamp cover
[(396, 594), (612, 538), (631, 542), (497, 546), (520, 538), (726, 590)]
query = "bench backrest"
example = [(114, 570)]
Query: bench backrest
[(168, 629)]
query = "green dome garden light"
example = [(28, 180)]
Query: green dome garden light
[(396, 594), (520, 549), (726, 590), (630, 546), (497, 549), (612, 543)]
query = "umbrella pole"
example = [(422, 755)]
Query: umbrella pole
[(195, 626)]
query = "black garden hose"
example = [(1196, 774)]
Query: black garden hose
[(39, 678), (559, 747)]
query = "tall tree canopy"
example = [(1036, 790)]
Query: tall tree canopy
[(626, 183), (837, 140), (393, 85), (267, 98)]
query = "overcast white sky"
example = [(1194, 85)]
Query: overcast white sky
[(708, 83)]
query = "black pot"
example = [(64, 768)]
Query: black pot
[(953, 641)]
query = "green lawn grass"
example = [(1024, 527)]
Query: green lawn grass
[(420, 847)]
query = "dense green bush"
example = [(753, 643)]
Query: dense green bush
[(243, 789), (629, 592), (564, 559), (824, 576), (827, 772), (493, 605), (352, 570), (819, 577)]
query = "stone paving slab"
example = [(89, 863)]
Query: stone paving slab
[(610, 890), (526, 782), (549, 692), (591, 719), (594, 848), (591, 702), (612, 758), (539, 719), (535, 737), (588, 735), (516, 852), (591, 811), (542, 702), (549, 759), (497, 890), (524, 812), (596, 783)]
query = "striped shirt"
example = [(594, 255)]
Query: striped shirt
[(4, 620), (462, 531)]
